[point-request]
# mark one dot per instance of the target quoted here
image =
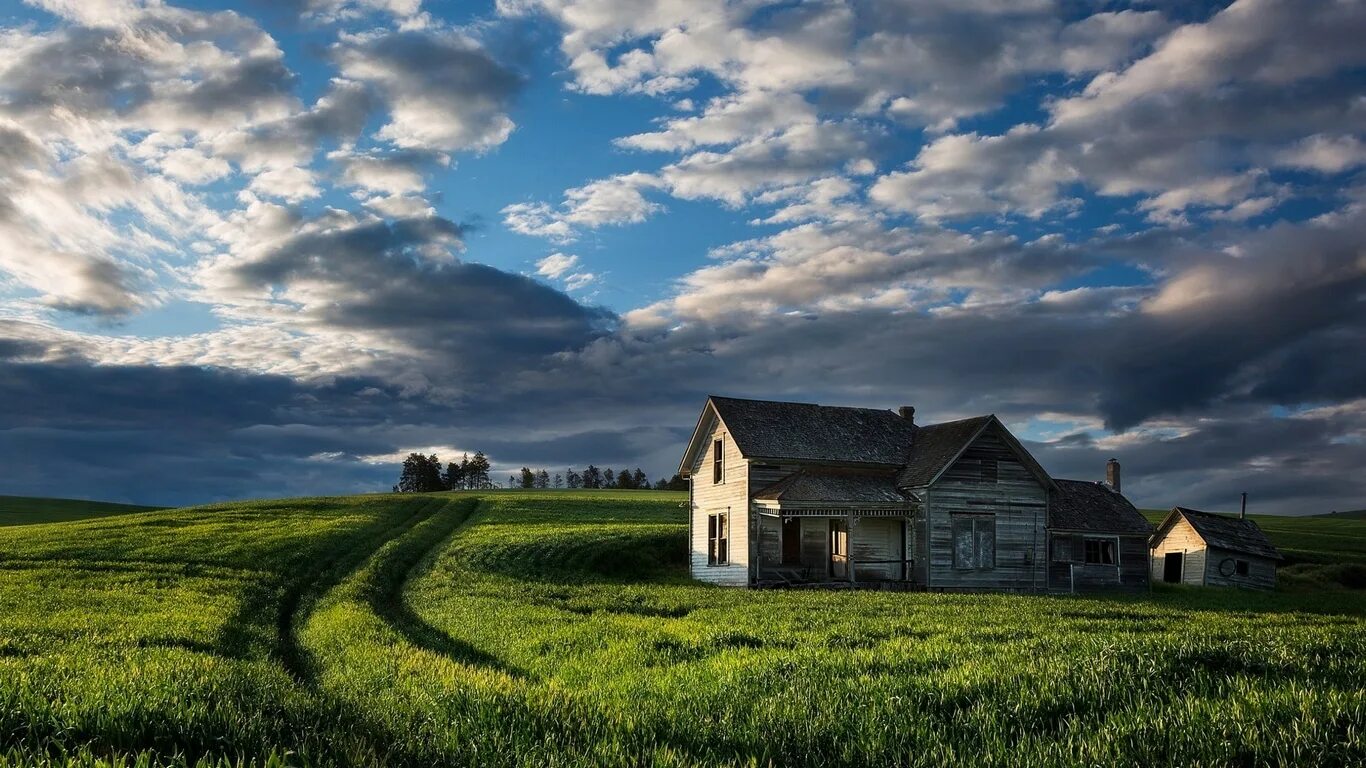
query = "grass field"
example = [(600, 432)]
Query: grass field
[(24, 510), (559, 629)]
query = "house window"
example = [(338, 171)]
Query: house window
[(1100, 551), (718, 470), (718, 536), (974, 541), (1240, 567), (1062, 549)]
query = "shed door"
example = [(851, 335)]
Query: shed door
[(1171, 568), (839, 549)]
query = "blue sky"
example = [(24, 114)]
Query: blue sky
[(339, 230)]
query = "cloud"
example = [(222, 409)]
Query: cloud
[(393, 173), (611, 201), (556, 264), (444, 91)]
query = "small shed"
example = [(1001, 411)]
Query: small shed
[(1205, 549)]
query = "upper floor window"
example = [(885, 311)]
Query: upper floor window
[(718, 470), (1240, 567)]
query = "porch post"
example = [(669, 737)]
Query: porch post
[(849, 544)]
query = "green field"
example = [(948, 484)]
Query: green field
[(24, 510), (559, 629)]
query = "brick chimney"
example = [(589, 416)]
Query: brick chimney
[(1112, 474), (907, 412)]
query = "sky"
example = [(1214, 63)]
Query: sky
[(259, 249)]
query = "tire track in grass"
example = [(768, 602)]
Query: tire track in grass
[(290, 598), (390, 576)]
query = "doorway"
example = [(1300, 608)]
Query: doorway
[(792, 541), (839, 549), (1171, 567)]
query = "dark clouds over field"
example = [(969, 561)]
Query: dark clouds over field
[(1134, 233)]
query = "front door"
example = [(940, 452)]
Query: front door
[(839, 549), (792, 541), (1171, 568)]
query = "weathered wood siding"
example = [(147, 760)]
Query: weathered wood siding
[(876, 538), (1012, 495), (732, 496), (1261, 572), (1181, 537), (1130, 572)]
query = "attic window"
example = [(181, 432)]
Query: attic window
[(1240, 567), (718, 470)]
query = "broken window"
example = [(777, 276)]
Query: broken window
[(974, 541), (717, 457), (1240, 567), (1100, 551)]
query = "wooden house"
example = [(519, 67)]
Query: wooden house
[(797, 493), (1204, 549)]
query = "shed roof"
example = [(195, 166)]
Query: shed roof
[(1082, 505), (845, 487), (810, 432), (1223, 532)]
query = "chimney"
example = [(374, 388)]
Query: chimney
[(907, 412), (1112, 474), (1242, 514)]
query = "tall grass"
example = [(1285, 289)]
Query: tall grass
[(560, 629)]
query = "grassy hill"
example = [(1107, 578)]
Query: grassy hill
[(24, 510), (559, 628)]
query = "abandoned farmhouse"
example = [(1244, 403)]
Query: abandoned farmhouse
[(796, 493)]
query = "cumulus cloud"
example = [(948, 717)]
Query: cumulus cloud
[(614, 200), (444, 91)]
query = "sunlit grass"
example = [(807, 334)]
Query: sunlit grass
[(529, 629)]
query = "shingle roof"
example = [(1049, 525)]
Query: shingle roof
[(935, 445), (1230, 533), (1081, 505), (815, 486), (809, 432)]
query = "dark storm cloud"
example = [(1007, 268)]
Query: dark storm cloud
[(396, 278)]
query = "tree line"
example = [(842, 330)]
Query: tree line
[(424, 474)]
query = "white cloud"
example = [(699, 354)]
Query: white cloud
[(291, 184), (1325, 154), (443, 89), (556, 264), (615, 200)]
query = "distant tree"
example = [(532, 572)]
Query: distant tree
[(558, 482), (513, 482), (626, 480), (528, 478), (477, 472), (542, 478), (573, 479), (455, 477), (421, 474), (465, 471), (609, 478), (639, 480), (592, 477), (675, 483)]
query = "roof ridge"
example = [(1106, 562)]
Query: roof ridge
[(956, 421), (801, 402)]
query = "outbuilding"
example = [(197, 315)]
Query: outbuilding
[(1205, 549)]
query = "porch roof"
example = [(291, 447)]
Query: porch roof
[(812, 486)]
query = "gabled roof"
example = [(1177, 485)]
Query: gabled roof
[(807, 486), (1224, 532), (1081, 505), (935, 447), (810, 432)]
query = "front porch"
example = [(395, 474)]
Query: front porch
[(851, 545)]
